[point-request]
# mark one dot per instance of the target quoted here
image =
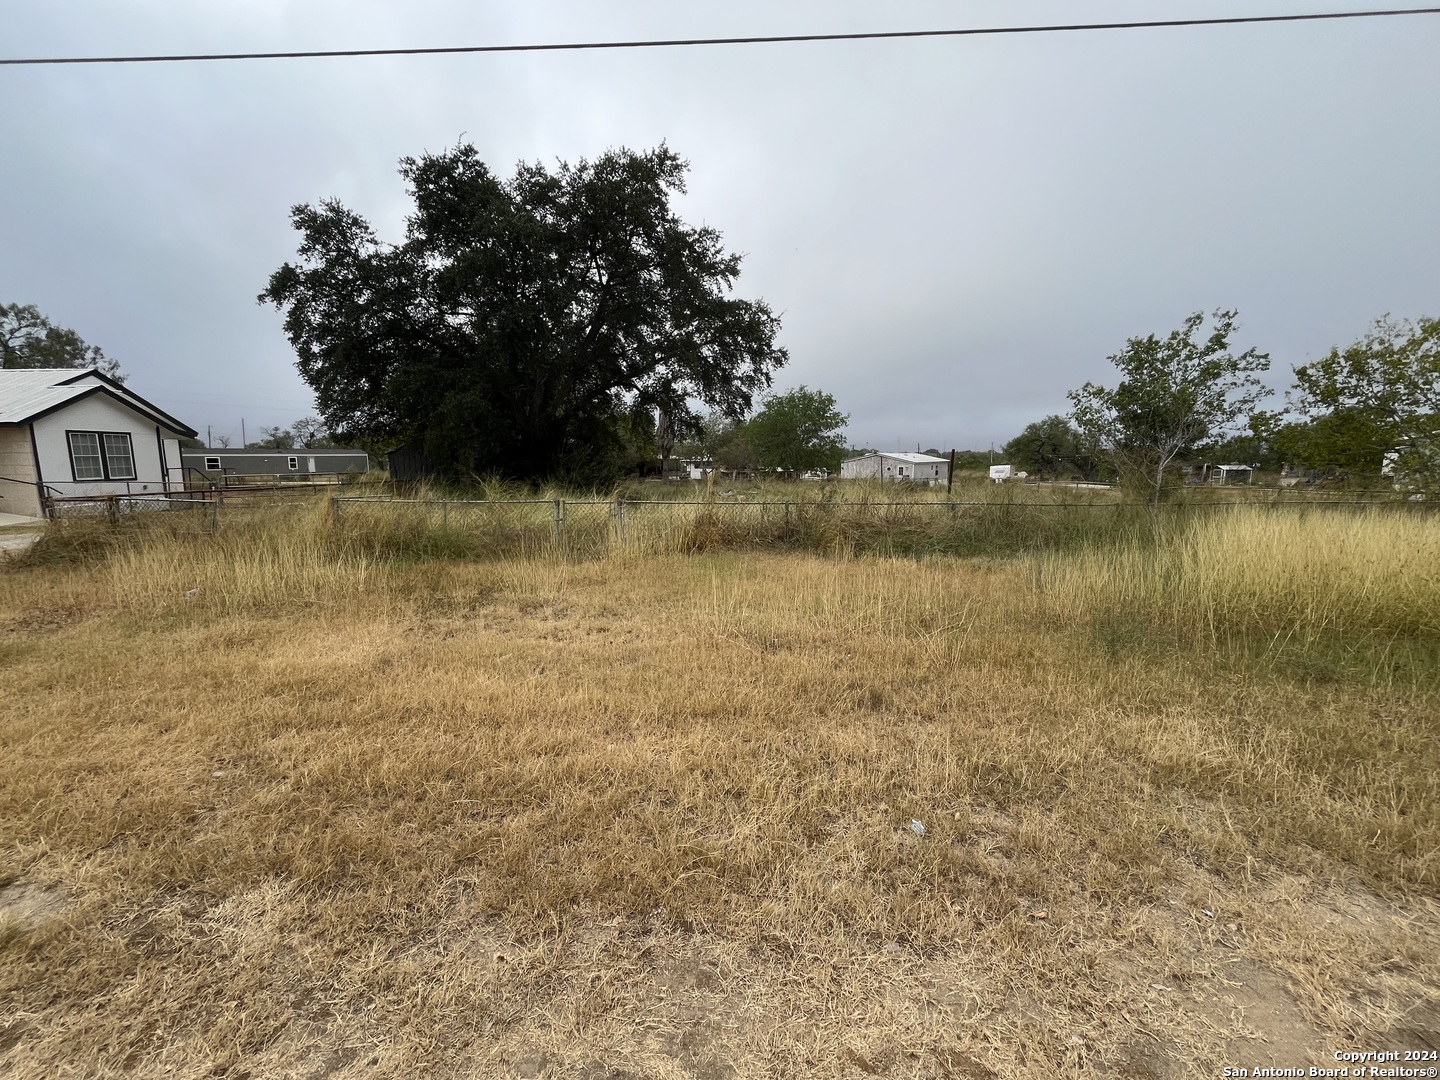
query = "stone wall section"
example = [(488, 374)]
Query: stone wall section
[(17, 472)]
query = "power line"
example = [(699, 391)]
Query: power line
[(778, 39)]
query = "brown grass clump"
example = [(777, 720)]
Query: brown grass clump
[(290, 801)]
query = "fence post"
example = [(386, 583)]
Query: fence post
[(444, 515), (112, 509), (559, 505), (335, 510), (617, 519)]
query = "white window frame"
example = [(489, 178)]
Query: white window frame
[(107, 473), (294, 463), (213, 464)]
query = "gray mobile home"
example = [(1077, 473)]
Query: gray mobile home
[(281, 464)]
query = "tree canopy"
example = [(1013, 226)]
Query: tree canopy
[(30, 340), (523, 325), (1379, 396), (1052, 448), (1174, 395), (308, 433), (798, 431)]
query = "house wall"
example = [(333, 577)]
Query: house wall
[(862, 468), (17, 472), (98, 413), (884, 467), (174, 464), (929, 472)]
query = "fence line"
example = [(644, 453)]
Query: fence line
[(579, 526)]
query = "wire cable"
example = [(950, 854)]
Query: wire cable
[(668, 43)]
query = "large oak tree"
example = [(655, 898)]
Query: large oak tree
[(29, 339), (523, 325)]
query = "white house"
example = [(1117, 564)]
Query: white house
[(68, 431), (918, 468)]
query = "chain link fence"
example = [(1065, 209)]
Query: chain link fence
[(593, 527)]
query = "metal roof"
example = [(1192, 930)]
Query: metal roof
[(27, 393), (914, 458)]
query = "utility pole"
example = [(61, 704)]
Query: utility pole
[(950, 476), (208, 434), (244, 442)]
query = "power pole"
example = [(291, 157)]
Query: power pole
[(950, 476), (244, 441), (208, 433)]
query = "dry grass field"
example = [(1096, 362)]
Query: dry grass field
[(293, 800)]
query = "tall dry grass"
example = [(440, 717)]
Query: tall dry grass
[(387, 786), (1334, 594), (1258, 569), (1207, 571)]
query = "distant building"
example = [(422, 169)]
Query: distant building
[(917, 468), (1221, 474), (278, 464), (67, 432)]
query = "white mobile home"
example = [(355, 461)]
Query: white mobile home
[(917, 468), (67, 432)]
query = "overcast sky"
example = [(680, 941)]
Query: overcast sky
[(955, 231)]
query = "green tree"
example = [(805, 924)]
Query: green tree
[(1257, 445), (1380, 395), (273, 438), (30, 340), (310, 433), (1052, 448), (798, 431), (522, 324), (733, 449), (1174, 395)]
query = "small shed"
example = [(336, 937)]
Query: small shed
[(407, 464), (916, 468), (1230, 474)]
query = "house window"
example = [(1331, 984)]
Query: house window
[(119, 460), (101, 455), (212, 464), (294, 463)]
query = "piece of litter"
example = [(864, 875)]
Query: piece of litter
[(1039, 914), (190, 594), (917, 827), (1231, 926), (1162, 986), (892, 947), (1076, 1040), (217, 774), (1207, 913)]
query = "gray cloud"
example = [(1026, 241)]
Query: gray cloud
[(956, 231)]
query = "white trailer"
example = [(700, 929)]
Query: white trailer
[(916, 468)]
